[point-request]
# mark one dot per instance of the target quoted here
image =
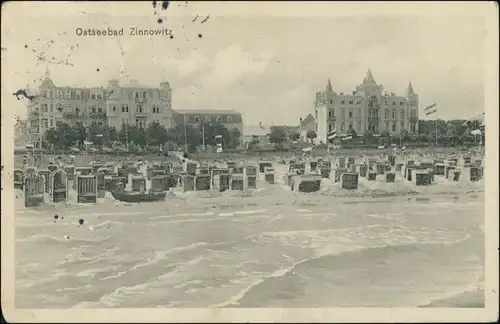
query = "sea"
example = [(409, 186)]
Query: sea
[(383, 245)]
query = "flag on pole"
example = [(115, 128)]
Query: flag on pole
[(430, 109), (331, 135), (218, 142)]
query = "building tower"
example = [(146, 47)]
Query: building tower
[(412, 99)]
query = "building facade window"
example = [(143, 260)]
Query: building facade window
[(99, 110), (78, 94), (393, 103), (387, 126), (229, 119), (331, 101), (342, 126), (342, 113), (393, 127), (68, 94), (218, 119), (59, 94), (402, 114), (351, 102), (342, 102), (92, 96), (359, 127), (350, 126), (393, 114), (350, 113), (386, 113), (196, 119), (207, 119), (401, 103), (44, 108), (329, 127), (402, 125), (93, 110)]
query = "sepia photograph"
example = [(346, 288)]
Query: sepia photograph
[(188, 161)]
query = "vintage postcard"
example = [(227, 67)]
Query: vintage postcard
[(177, 161)]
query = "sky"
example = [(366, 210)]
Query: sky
[(266, 62)]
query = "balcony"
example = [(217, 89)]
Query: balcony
[(98, 115), (72, 115), (141, 114)]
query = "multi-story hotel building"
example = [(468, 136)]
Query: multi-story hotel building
[(368, 108), (114, 105), (229, 118)]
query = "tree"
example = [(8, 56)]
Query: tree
[(405, 136), (80, 133), (294, 136), (156, 134), (177, 133), (385, 138), (51, 136), (277, 136), (95, 134), (234, 138), (368, 137), (112, 134), (62, 137), (353, 133), (311, 135)]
